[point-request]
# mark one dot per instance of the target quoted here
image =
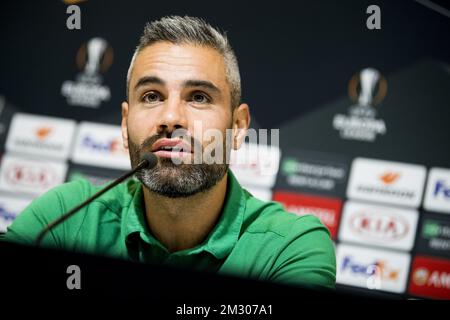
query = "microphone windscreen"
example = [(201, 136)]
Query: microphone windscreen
[(151, 158)]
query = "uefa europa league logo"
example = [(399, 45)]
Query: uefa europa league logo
[(366, 89), (93, 58), (95, 49)]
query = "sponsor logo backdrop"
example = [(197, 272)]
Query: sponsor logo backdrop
[(363, 119)]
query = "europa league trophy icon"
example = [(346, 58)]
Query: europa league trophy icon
[(368, 80), (95, 49), (93, 59)]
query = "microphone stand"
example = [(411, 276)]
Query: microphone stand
[(144, 163)]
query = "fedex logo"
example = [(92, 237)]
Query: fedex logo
[(371, 268), (110, 145), (7, 215), (10, 207), (441, 189), (355, 267), (378, 268), (437, 194), (98, 144)]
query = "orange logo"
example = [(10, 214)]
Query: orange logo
[(389, 177), (73, 1), (43, 132)]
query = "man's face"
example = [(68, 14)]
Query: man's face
[(171, 87)]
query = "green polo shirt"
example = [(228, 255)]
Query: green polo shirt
[(252, 238)]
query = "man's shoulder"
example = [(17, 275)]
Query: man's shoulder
[(59, 200), (64, 196), (270, 216), (291, 249), (75, 189), (75, 192)]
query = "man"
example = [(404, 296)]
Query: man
[(184, 74)]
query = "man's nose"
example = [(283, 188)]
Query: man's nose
[(172, 116)]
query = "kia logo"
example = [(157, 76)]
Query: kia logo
[(31, 177), (379, 226)]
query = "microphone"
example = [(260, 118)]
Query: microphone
[(148, 160)]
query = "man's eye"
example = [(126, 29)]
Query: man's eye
[(200, 98), (151, 97)]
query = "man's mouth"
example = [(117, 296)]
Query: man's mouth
[(171, 148)]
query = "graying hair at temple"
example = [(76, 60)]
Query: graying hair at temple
[(192, 30)]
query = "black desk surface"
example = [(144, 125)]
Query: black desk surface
[(29, 274)]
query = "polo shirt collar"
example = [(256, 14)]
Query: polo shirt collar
[(221, 239)]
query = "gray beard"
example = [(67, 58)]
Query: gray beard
[(176, 180)]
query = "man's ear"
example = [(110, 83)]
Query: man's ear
[(241, 123), (124, 124)]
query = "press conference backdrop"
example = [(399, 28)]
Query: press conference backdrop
[(363, 118)]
